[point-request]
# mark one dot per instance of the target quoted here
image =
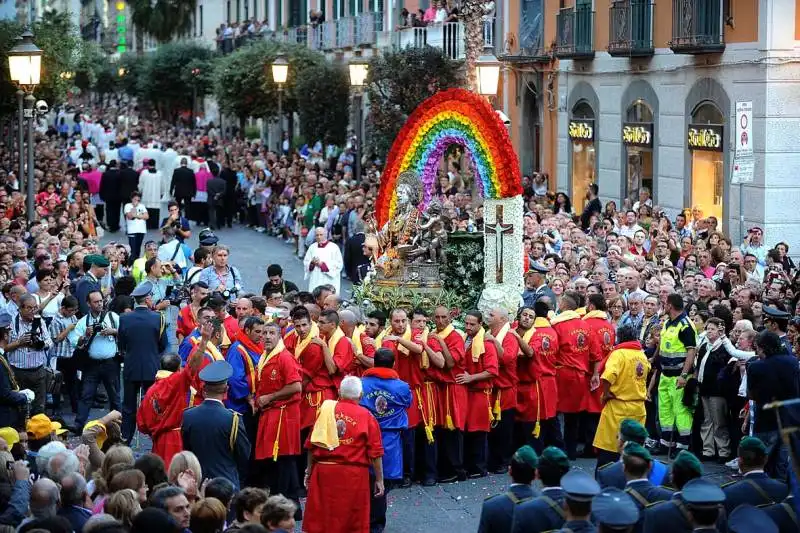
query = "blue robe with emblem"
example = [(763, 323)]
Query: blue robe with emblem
[(238, 385), (387, 400), (612, 475), (186, 346)]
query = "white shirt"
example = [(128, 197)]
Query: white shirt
[(629, 231), (168, 250), (136, 225)]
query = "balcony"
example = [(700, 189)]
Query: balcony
[(367, 27), (532, 48), (697, 27), (448, 37), (630, 31), (345, 33), (575, 33)]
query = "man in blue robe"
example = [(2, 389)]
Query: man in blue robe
[(387, 397)]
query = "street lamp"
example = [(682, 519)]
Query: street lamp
[(280, 72), (488, 74), (121, 71), (66, 75), (195, 75), (358, 68), (25, 69)]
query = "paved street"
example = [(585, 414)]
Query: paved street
[(454, 507)]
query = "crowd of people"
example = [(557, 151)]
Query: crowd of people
[(637, 335)]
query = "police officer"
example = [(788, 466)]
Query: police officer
[(580, 489), (497, 512), (705, 503), (637, 464), (672, 516), (612, 474), (216, 435), (746, 519), (777, 321), (784, 515), (535, 285), (755, 487), (544, 512), (90, 282), (614, 511), (142, 338)]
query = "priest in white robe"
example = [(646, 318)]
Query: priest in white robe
[(323, 263)]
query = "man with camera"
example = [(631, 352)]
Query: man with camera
[(27, 351), (222, 277), (95, 341)]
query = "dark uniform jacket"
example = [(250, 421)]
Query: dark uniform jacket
[(497, 512), (11, 400), (784, 516), (667, 517), (773, 378), (184, 184), (109, 186), (756, 488), (643, 493), (141, 338), (128, 182), (88, 283), (613, 475), (578, 526), (543, 513), (220, 445), (215, 187)]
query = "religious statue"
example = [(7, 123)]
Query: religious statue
[(432, 236)]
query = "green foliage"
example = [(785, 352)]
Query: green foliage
[(243, 80), (462, 273), (323, 102), (370, 296), (400, 81), (92, 65), (251, 132), (163, 19)]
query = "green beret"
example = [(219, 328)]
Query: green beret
[(689, 461), (554, 456), (97, 260), (526, 455), (752, 444), (634, 449), (630, 429)]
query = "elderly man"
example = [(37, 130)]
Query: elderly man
[(27, 349), (323, 263), (363, 345), (345, 442), (44, 499), (75, 502)]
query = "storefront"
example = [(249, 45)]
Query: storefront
[(582, 135), (637, 138), (706, 146)]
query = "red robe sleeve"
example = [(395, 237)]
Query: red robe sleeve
[(312, 361), (343, 355), (510, 351), (374, 442), (490, 363), (457, 349), (368, 349), (163, 404)]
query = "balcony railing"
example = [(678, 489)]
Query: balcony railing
[(630, 31), (575, 33), (345, 32), (697, 27), (328, 35), (532, 48), (367, 27), (449, 37)]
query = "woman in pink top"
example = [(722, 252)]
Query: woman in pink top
[(430, 13)]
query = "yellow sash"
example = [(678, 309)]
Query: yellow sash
[(213, 352), (477, 347), (262, 362), (248, 363), (407, 336), (424, 360), (381, 335), (596, 314), (334, 340), (503, 332), (540, 322), (450, 329), (529, 335), (563, 316), (356, 338), (302, 344)]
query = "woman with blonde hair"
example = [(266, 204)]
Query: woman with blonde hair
[(124, 506), (116, 459), (185, 472)]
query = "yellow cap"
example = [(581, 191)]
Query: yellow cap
[(101, 435), (58, 429), (9, 435), (39, 426)]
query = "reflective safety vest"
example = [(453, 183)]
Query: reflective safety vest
[(672, 350)]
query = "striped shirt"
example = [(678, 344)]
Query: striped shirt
[(25, 357), (63, 348)]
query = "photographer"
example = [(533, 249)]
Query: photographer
[(27, 351), (221, 277), (95, 337), (163, 277), (181, 224), (187, 317), (171, 251)]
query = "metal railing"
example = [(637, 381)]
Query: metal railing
[(531, 47), (449, 37), (367, 27), (328, 35), (697, 26), (630, 27), (575, 32), (345, 32)]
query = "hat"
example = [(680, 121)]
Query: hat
[(579, 486), (630, 429), (752, 444), (5, 320), (526, 455), (97, 260), (56, 426), (39, 426), (217, 372), (687, 460), (702, 493), (101, 435), (208, 238), (537, 268), (774, 312), (10, 435), (143, 289), (634, 449), (614, 508), (554, 456), (746, 519)]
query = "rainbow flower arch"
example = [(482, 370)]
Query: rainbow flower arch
[(454, 116)]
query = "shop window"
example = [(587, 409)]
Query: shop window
[(582, 133), (637, 136), (705, 139)]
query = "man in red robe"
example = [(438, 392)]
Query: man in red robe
[(345, 442), (363, 345), (317, 383), (572, 367), (277, 398), (504, 393), (405, 343), (161, 412), (447, 343), (478, 376), (337, 349), (602, 338)]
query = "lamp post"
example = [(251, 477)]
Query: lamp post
[(358, 68), (280, 72), (195, 75), (25, 69)]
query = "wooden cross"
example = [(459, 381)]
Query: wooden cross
[(498, 230)]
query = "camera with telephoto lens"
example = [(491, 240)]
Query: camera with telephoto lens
[(178, 294), (37, 342)]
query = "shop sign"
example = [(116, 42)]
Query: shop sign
[(705, 137), (581, 130), (637, 134)]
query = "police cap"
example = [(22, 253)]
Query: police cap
[(217, 372), (702, 493), (614, 508), (143, 289), (774, 312), (579, 486), (746, 519)]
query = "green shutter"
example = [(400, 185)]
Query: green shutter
[(279, 24)]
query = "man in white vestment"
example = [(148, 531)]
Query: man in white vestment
[(323, 263)]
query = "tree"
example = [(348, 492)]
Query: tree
[(398, 82), (162, 19), (58, 38), (323, 102), (472, 12)]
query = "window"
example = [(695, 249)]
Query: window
[(639, 153), (246, 9), (200, 8), (583, 153), (228, 11), (708, 165)]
